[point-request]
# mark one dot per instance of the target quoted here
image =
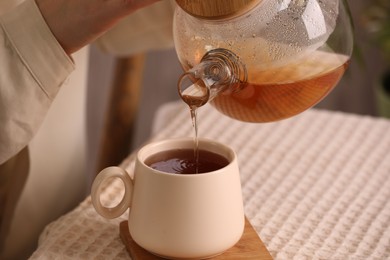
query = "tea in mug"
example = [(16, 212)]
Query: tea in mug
[(183, 161)]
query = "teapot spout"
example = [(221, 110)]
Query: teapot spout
[(219, 70)]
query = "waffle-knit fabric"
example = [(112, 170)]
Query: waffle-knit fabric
[(316, 186)]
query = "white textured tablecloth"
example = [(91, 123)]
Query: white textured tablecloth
[(316, 186)]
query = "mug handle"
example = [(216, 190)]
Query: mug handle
[(125, 203)]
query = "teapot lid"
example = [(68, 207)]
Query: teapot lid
[(216, 9)]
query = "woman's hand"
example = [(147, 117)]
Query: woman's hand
[(76, 23)]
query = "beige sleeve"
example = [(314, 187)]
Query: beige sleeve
[(147, 29), (33, 66)]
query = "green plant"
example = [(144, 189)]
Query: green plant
[(377, 22)]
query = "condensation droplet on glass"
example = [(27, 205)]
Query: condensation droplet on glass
[(197, 38), (208, 48)]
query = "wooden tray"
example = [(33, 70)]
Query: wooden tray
[(250, 246)]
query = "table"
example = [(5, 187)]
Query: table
[(316, 186)]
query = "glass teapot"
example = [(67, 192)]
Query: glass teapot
[(261, 60)]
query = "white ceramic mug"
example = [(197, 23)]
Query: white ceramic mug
[(179, 216)]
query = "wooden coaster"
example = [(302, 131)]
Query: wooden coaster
[(250, 246)]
